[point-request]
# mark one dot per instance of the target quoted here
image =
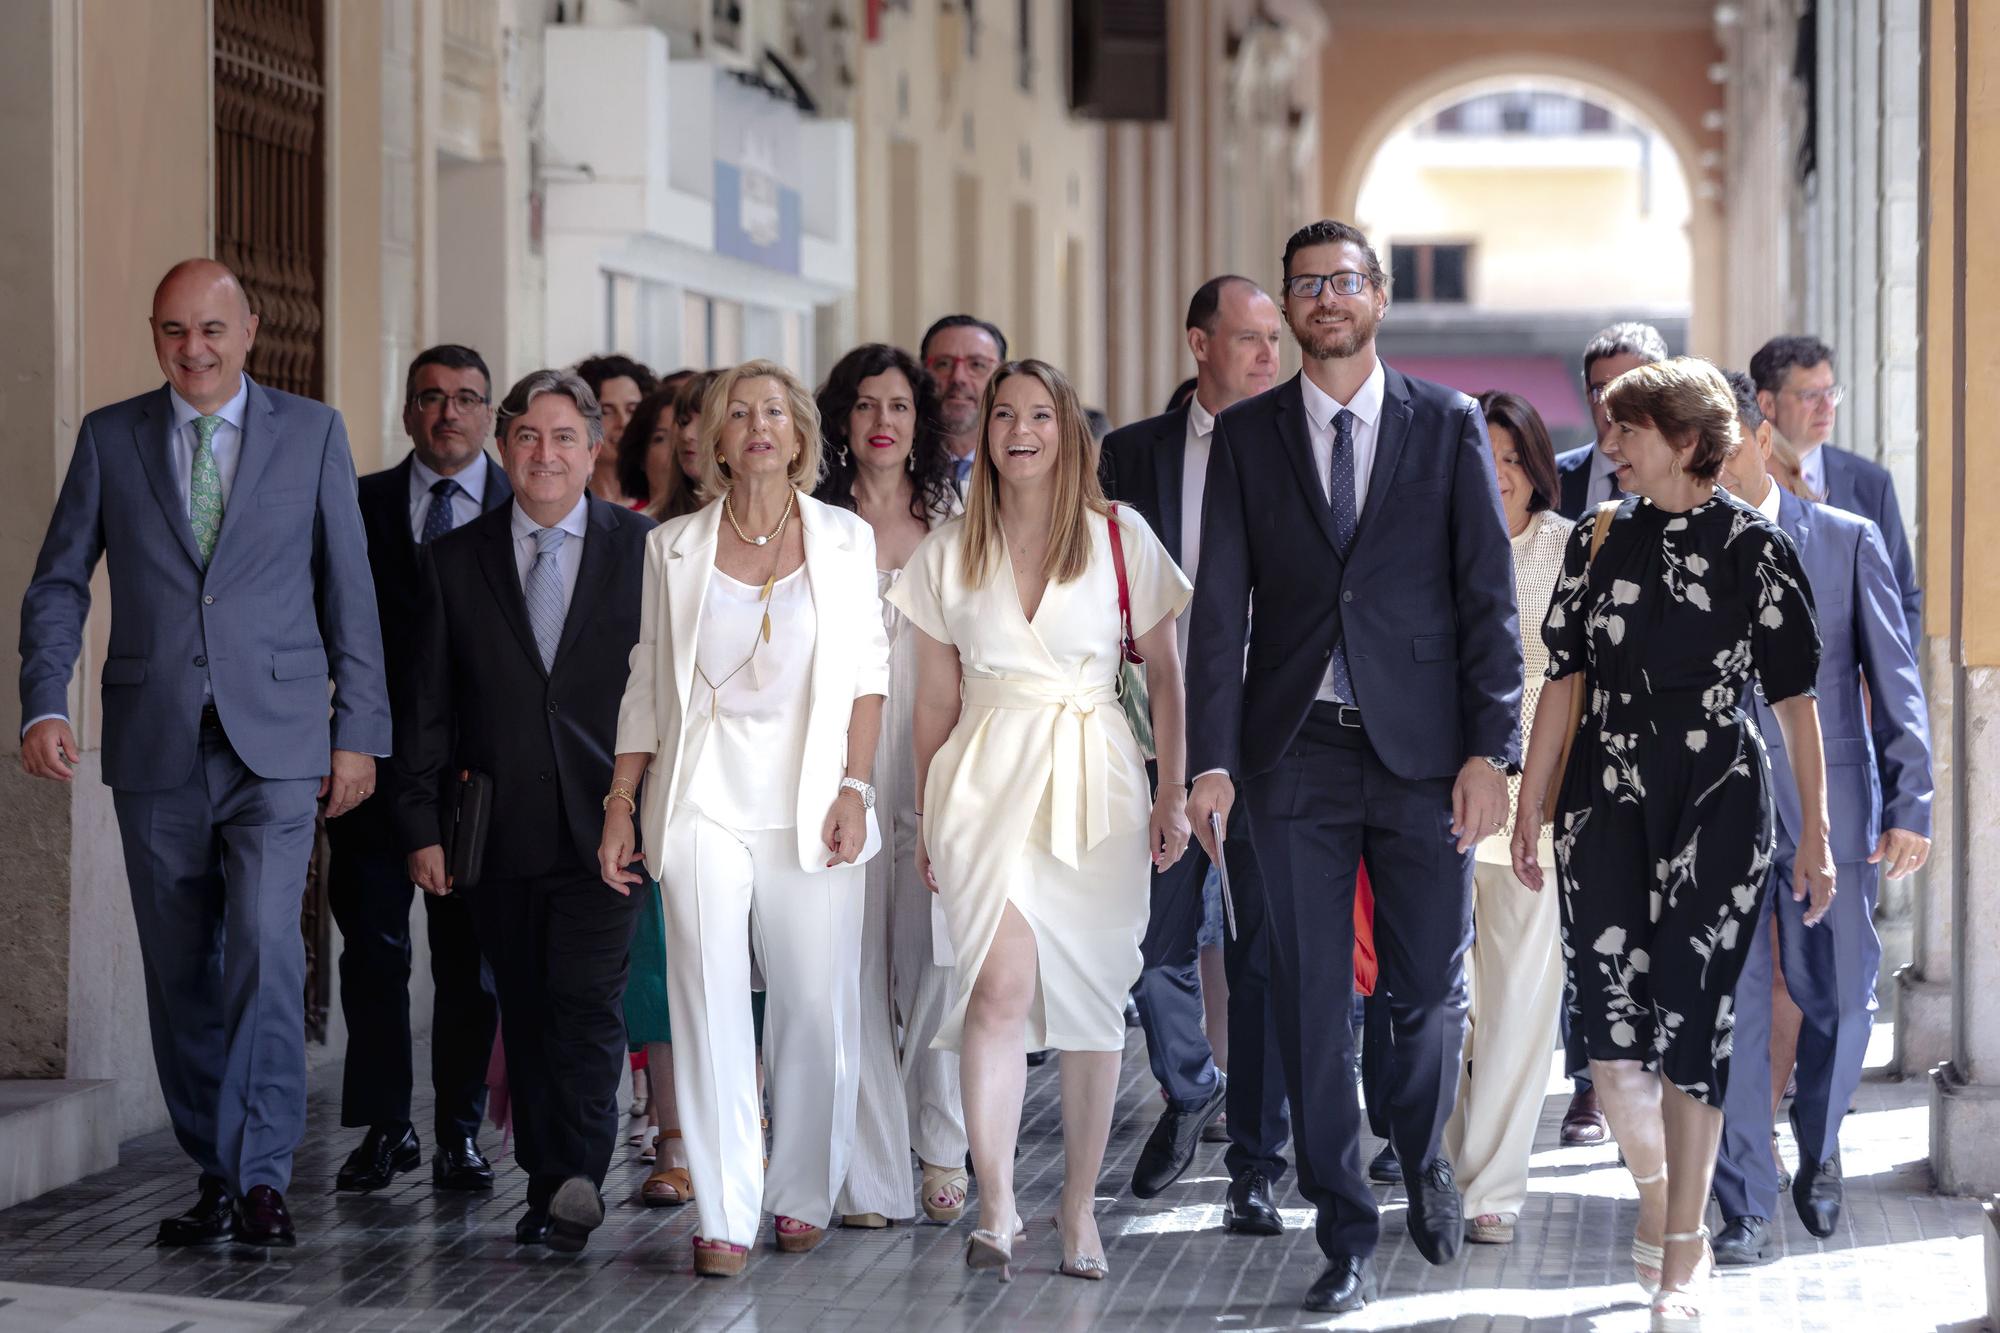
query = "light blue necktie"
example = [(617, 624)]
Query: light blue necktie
[(544, 592)]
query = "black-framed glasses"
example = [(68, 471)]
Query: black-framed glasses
[(1307, 286), (465, 400)]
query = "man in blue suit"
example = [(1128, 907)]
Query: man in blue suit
[(1585, 473), (1798, 395), (1351, 531), (1878, 792), (240, 594)]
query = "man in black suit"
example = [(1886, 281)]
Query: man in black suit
[(1352, 531), (1160, 468), (447, 480), (1585, 472), (1797, 393), (529, 617)]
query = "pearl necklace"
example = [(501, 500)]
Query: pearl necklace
[(729, 510)]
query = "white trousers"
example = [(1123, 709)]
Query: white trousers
[(1515, 977), (909, 1092), (726, 892)]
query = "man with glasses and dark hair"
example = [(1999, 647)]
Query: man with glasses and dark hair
[(1352, 534), (446, 480), (1585, 472), (1797, 393), (961, 352)]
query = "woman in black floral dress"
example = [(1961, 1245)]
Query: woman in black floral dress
[(1664, 826)]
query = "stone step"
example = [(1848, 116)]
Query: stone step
[(54, 1131)]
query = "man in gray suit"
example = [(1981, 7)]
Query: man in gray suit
[(239, 591)]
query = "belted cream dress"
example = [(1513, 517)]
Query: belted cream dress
[(1039, 797)]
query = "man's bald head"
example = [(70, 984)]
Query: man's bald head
[(202, 331)]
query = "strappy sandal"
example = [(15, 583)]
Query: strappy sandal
[(670, 1187), (1089, 1267), (1491, 1229), (718, 1258), (796, 1237), (946, 1183), (1678, 1309), (1648, 1259), (988, 1249)]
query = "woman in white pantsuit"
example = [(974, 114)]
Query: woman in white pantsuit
[(887, 462), (1515, 969), (1036, 829), (752, 712)]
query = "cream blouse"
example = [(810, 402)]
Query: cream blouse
[(1538, 560), (747, 710)]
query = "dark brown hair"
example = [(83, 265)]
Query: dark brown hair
[(1688, 401), (1518, 417)]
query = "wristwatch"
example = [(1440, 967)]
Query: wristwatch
[(867, 792), (1497, 765)]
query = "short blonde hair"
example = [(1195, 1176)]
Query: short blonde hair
[(804, 412), (1689, 402)]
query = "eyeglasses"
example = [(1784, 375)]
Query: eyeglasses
[(1307, 286), (976, 366), (465, 400), (1831, 395)]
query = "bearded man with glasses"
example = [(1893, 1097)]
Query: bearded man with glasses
[(1798, 394), (961, 352), (446, 480)]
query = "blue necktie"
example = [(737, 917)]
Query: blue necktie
[(1340, 495), (544, 592), (440, 518)]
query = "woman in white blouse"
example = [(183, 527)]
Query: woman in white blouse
[(1515, 968), (751, 714)]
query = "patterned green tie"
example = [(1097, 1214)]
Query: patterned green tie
[(205, 488)]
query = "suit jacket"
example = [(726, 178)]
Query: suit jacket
[(481, 699), (1141, 465), (1877, 740), (399, 599), (1424, 596), (1861, 487), (1573, 473), (283, 607), (850, 661)]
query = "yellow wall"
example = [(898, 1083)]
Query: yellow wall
[(1979, 334), (355, 335)]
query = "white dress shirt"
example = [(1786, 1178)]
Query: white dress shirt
[(1321, 409), (468, 504), (569, 558), (227, 443), (1603, 480), (1812, 470), (1194, 484), (1768, 506)]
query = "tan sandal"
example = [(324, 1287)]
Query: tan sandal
[(947, 1183), (669, 1187), (718, 1258), (865, 1221), (796, 1237)]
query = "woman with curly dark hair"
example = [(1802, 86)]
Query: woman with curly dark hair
[(886, 460)]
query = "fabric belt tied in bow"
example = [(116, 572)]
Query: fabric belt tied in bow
[(1080, 746)]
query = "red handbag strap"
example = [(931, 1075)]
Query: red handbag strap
[(1129, 646)]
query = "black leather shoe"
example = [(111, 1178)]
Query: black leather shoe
[(1249, 1210), (211, 1221), (1817, 1192), (1036, 1059), (386, 1152), (1347, 1284), (261, 1218), (1170, 1147), (1744, 1242), (1437, 1220), (459, 1165), (575, 1211), (1385, 1169), (533, 1228)]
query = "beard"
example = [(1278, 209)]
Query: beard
[(1338, 345), (958, 415)]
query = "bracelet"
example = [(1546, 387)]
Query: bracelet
[(622, 792)]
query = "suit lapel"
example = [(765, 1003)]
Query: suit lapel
[(690, 561), (1169, 465), (253, 456), (153, 438), (1298, 448), (496, 561), (392, 518), (1390, 434), (822, 545), (498, 489), (591, 575), (1795, 517)]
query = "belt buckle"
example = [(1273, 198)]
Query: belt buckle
[(1348, 716)]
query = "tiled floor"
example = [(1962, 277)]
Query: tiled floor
[(411, 1259)]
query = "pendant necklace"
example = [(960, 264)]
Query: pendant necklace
[(728, 508)]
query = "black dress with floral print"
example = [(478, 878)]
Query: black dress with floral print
[(1664, 827)]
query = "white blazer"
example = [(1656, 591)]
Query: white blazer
[(850, 661)]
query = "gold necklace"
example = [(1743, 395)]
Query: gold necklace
[(728, 508)]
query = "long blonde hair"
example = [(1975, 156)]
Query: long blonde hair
[(1078, 492)]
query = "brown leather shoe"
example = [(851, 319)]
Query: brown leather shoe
[(1584, 1125), (261, 1218)]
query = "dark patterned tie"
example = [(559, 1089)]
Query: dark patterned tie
[(1340, 495), (440, 518)]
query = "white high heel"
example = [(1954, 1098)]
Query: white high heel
[(1648, 1258), (1678, 1309)]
